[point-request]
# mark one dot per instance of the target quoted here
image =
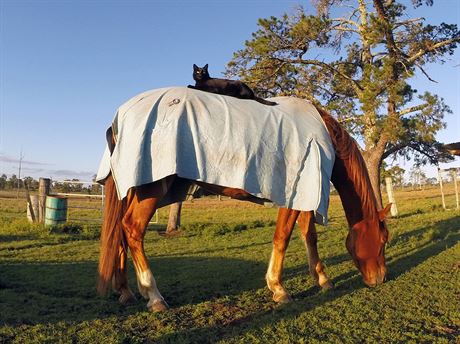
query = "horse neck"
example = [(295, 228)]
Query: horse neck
[(356, 194), (349, 174)]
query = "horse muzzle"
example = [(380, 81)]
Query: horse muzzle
[(375, 279)]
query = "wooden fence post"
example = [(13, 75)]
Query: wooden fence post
[(442, 190), (43, 191), (391, 197), (454, 179), (32, 207)]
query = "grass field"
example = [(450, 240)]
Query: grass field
[(212, 276)]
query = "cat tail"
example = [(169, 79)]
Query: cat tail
[(265, 102)]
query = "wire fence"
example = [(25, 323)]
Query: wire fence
[(86, 200), (81, 207)]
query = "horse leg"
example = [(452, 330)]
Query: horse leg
[(142, 204), (120, 278), (310, 237), (284, 225)]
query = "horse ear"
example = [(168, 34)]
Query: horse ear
[(195, 67), (205, 67), (384, 213)]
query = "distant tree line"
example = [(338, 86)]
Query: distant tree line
[(13, 182), (416, 178), (68, 186)]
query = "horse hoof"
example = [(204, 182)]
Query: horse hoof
[(158, 306), (327, 285), (126, 297), (282, 298)]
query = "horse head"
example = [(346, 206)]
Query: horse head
[(366, 242)]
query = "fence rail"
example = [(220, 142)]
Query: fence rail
[(77, 195), (86, 207), (80, 195)]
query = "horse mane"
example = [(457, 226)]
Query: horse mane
[(347, 150)]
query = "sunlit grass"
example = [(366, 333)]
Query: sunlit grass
[(212, 276)]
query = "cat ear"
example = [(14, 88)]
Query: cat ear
[(205, 67), (195, 67)]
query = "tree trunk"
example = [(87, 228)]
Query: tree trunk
[(373, 163), (174, 217)]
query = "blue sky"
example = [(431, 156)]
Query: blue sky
[(67, 65)]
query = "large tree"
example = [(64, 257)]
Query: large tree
[(358, 65), (395, 172)]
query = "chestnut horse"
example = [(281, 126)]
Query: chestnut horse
[(125, 225)]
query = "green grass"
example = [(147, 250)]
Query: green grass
[(212, 276)]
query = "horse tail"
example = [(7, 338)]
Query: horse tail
[(263, 101), (111, 236)]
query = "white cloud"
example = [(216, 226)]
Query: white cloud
[(12, 160), (10, 165)]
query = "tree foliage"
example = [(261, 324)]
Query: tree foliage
[(395, 172)]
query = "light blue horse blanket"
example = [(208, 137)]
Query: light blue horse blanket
[(282, 153)]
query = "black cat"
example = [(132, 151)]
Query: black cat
[(226, 87)]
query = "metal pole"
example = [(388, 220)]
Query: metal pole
[(21, 156)]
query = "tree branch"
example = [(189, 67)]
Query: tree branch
[(416, 148), (346, 21), (393, 150), (363, 12), (422, 52), (344, 28), (271, 75), (346, 119), (424, 72), (409, 21), (355, 84), (413, 109), (349, 20), (412, 145), (390, 41)]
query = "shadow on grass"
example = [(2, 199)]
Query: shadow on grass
[(442, 235), (40, 242), (14, 237), (412, 213), (437, 231), (227, 248), (447, 236), (48, 293)]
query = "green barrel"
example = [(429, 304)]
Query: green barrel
[(56, 210)]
